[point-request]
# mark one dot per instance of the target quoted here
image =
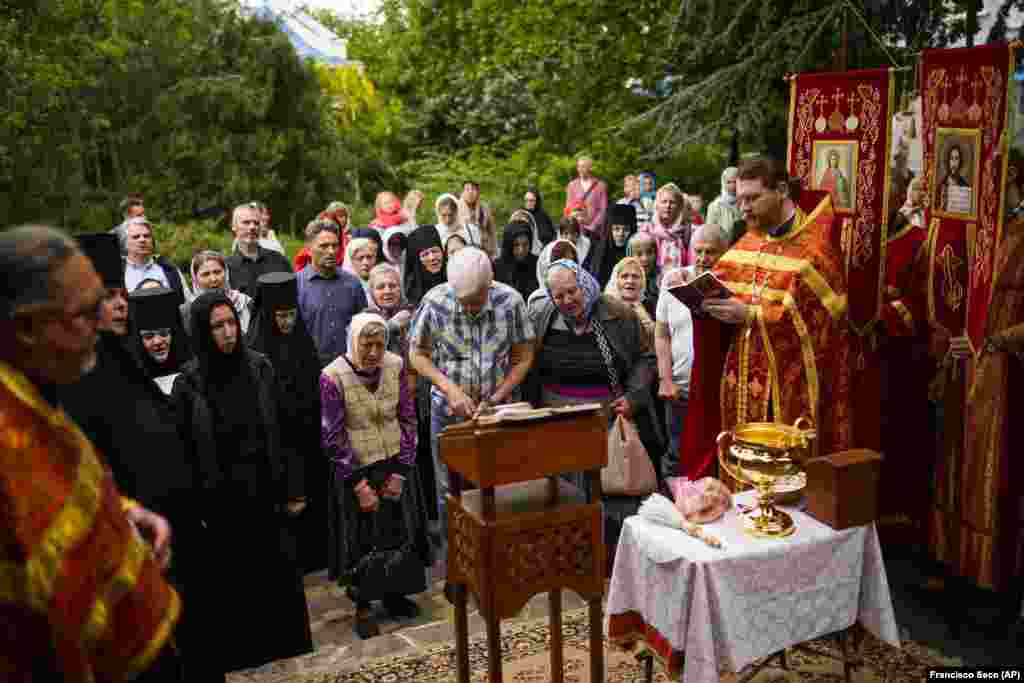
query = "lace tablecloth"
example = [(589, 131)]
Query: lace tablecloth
[(724, 609)]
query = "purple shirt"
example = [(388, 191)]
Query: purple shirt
[(334, 436), (327, 307)]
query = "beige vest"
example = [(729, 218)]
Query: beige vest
[(371, 419)]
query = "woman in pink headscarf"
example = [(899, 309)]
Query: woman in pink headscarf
[(671, 227)]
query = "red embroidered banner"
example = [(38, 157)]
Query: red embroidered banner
[(964, 117), (839, 143)]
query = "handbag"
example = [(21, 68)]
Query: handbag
[(387, 571), (629, 471), (393, 565)]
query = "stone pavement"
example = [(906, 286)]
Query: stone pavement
[(338, 649)]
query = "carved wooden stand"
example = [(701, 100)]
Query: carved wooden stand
[(525, 531)]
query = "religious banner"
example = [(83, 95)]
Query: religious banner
[(839, 143), (964, 119)]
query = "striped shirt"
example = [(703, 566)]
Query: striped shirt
[(474, 352)]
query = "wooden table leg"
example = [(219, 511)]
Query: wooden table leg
[(488, 508), (461, 632), (848, 663), (596, 641), (494, 647), (555, 629)]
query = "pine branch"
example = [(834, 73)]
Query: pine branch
[(725, 97)]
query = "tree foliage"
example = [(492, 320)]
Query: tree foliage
[(191, 105), (731, 58), (194, 105)]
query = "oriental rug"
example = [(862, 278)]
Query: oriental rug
[(525, 660)]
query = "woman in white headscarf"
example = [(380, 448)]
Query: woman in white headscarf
[(724, 210), (388, 301), (376, 510), (447, 209), (210, 273)]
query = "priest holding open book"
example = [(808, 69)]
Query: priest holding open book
[(790, 354)]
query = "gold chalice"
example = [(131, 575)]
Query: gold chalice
[(760, 454)]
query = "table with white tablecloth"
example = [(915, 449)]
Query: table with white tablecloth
[(707, 611)]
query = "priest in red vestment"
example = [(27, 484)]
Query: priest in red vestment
[(790, 355), (977, 521), (904, 368), (83, 597)]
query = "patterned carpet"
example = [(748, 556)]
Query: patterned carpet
[(525, 660)]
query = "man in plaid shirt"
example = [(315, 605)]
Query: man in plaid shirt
[(472, 338)]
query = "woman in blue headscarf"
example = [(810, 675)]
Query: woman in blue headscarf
[(592, 348), (648, 195)]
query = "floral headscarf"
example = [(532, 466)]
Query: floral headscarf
[(590, 287), (613, 282)]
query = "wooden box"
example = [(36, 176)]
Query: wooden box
[(842, 488)]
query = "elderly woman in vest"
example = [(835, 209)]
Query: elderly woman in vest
[(377, 545)]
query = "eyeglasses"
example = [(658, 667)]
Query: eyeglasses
[(150, 335)]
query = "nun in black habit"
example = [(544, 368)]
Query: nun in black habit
[(141, 435), (231, 397), (517, 266), (278, 331), (158, 334), (425, 268), (546, 232), (620, 225)]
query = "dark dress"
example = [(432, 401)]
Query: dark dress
[(230, 403), (140, 432), (604, 254), (417, 282), (297, 369), (546, 232)]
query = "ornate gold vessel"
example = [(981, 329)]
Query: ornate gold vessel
[(760, 454)]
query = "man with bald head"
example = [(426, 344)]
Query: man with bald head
[(472, 338), (250, 259), (88, 600)]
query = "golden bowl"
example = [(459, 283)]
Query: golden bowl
[(766, 454)]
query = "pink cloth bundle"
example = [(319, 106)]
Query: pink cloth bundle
[(701, 501)]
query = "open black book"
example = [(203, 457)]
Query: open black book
[(705, 286)]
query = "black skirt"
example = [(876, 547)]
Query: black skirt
[(424, 456), (396, 528)]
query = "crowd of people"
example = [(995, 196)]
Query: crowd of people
[(282, 414)]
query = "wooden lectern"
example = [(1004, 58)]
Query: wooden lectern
[(525, 530)]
